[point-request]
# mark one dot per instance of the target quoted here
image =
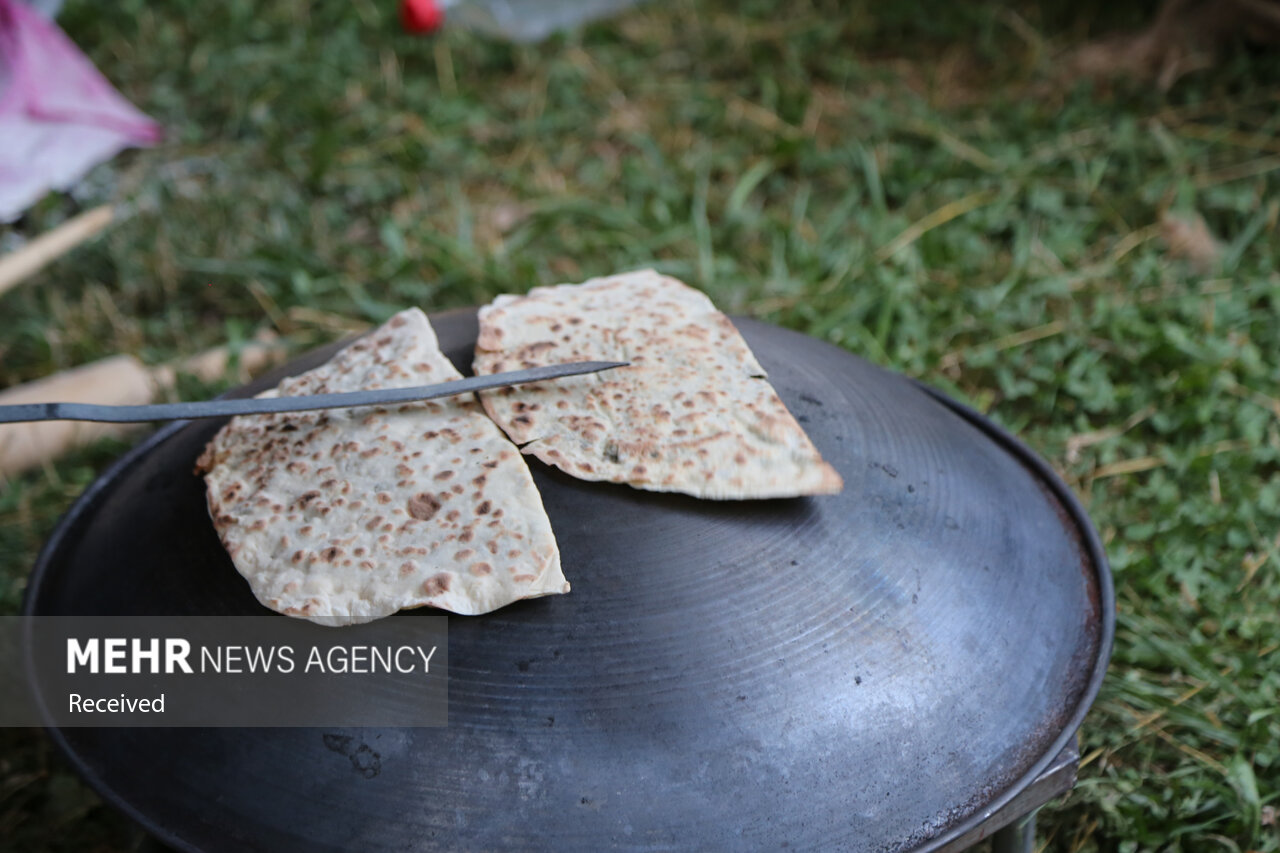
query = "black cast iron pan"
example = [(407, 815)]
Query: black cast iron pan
[(877, 670)]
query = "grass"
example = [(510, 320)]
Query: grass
[(920, 187)]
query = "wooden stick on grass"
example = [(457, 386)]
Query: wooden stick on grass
[(120, 380), (31, 258)]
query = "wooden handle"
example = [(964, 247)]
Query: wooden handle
[(119, 380)]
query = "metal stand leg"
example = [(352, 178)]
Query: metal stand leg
[(1017, 837)]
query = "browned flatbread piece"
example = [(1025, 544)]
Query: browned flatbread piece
[(346, 515), (694, 412)]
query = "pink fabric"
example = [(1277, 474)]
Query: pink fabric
[(59, 117)]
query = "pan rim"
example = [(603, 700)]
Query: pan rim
[(1094, 550)]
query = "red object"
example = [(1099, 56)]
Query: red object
[(421, 16)]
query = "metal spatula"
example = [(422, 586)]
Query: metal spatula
[(254, 406)]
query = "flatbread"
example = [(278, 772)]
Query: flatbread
[(347, 515), (694, 412)]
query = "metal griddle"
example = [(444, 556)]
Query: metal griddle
[(878, 670)]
